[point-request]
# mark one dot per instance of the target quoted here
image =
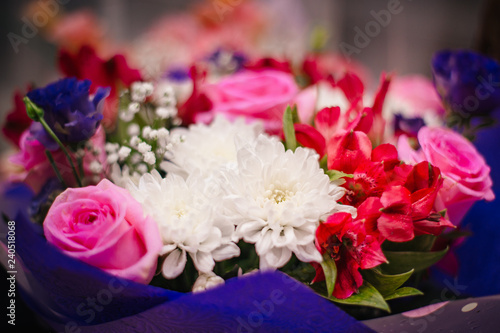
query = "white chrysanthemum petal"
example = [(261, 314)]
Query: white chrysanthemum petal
[(276, 257), (174, 264), (203, 261), (212, 240), (283, 237), (226, 251), (308, 253), (250, 230), (208, 148), (167, 249), (264, 243)]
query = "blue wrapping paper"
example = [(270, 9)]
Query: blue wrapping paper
[(72, 296)]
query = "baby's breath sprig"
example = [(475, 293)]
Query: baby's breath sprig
[(147, 113)]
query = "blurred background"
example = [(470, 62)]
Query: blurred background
[(403, 42)]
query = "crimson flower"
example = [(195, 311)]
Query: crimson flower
[(332, 122), (346, 242), (198, 101), (17, 120), (409, 210), (268, 62), (114, 73)]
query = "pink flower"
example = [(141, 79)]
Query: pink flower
[(105, 227), (416, 94), (466, 174), (37, 169), (258, 95)]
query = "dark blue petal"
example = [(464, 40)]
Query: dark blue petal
[(99, 97), (468, 82), (68, 110)]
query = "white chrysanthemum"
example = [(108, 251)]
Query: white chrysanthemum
[(190, 221), (277, 199), (207, 148)]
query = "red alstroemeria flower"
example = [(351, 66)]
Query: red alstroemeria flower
[(424, 182), (373, 170), (408, 210), (331, 122), (345, 240)]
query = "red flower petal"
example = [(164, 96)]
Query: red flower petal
[(17, 120), (348, 277), (378, 103), (352, 87), (363, 121), (198, 101), (424, 227), (347, 150), (270, 62), (309, 137), (395, 222), (327, 121), (370, 254), (369, 212), (386, 153)]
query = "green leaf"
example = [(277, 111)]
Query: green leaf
[(403, 292), (367, 296), (400, 262), (335, 174), (422, 243), (323, 163), (288, 129), (385, 284), (330, 270)]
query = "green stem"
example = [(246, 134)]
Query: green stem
[(79, 160), (53, 164), (56, 139)]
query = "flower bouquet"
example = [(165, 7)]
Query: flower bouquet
[(239, 193)]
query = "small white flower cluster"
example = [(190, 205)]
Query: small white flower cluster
[(166, 102), (144, 96), (228, 182), (92, 159), (143, 149), (139, 92), (141, 154)]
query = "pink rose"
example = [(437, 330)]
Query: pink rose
[(466, 174), (105, 227), (258, 95)]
